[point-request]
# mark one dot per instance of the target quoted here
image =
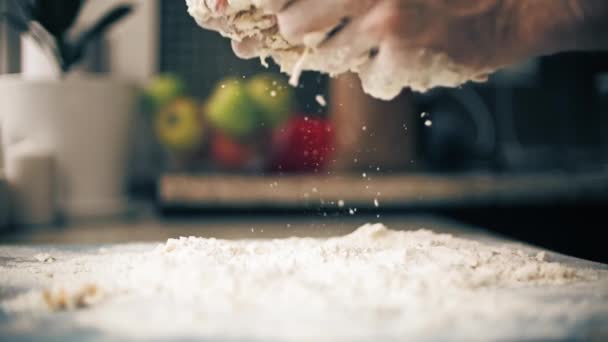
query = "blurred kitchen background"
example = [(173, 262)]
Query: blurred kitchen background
[(175, 122)]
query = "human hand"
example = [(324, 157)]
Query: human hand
[(476, 33), (420, 43)]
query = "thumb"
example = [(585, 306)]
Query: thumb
[(247, 48)]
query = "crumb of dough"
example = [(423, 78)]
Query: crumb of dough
[(64, 300), (44, 257), (321, 100)]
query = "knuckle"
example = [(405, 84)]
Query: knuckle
[(289, 28), (385, 19)]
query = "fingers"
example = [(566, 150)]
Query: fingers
[(247, 48), (409, 21), (360, 39), (272, 6), (461, 8), (380, 74), (303, 17), (349, 46)]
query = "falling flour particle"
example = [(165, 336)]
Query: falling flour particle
[(321, 100), (341, 203), (428, 123)]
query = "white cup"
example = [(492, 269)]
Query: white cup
[(30, 172)]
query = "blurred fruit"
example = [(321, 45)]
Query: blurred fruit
[(161, 91), (230, 154), (273, 96), (179, 126), (303, 145), (230, 110)]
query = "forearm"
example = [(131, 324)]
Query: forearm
[(590, 24), (551, 26)]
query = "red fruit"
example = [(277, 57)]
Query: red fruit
[(230, 154), (304, 144)]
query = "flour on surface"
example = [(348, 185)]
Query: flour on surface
[(243, 19), (44, 257), (372, 283)]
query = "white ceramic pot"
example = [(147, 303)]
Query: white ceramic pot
[(85, 123)]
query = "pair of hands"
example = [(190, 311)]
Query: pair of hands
[(480, 34)]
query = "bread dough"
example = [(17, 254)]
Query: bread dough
[(243, 19)]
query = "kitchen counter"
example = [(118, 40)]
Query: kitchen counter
[(4, 202), (36, 251)]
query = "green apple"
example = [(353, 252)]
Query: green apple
[(162, 90), (273, 96), (179, 126), (230, 110)]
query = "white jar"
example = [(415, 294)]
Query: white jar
[(30, 174), (85, 123)]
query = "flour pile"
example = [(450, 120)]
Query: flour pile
[(373, 283), (242, 19)]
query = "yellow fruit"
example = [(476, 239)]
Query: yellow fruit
[(179, 127)]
